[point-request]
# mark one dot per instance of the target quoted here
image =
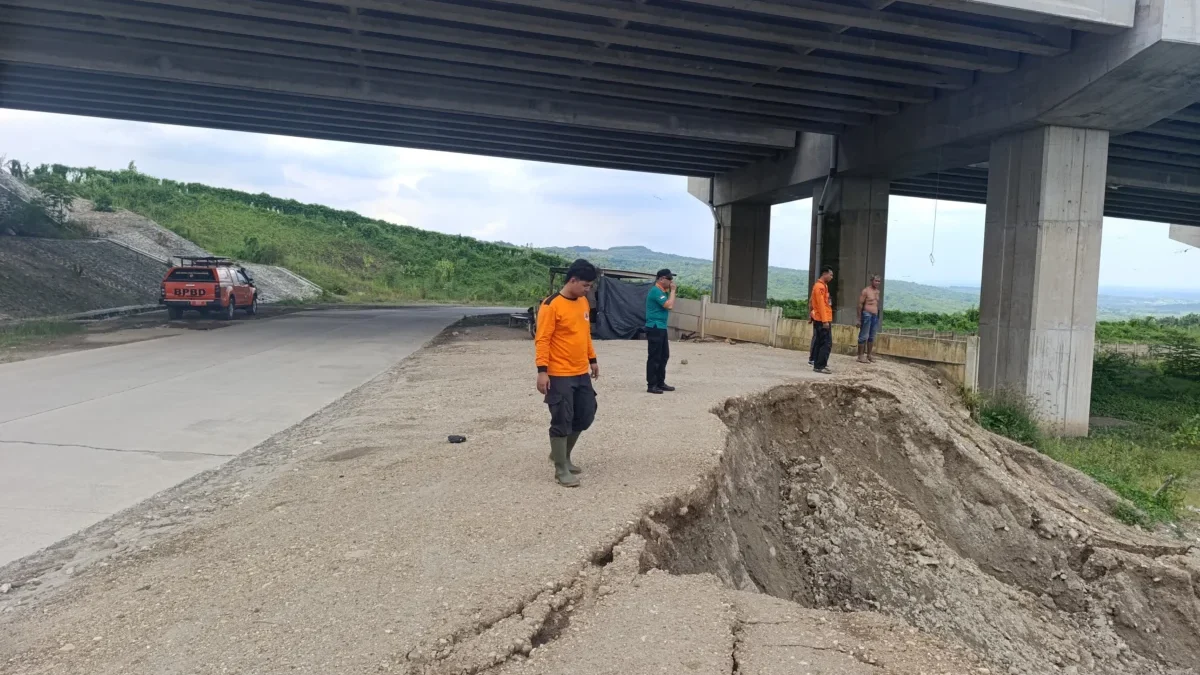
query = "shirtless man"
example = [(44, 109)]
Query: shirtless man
[(868, 319)]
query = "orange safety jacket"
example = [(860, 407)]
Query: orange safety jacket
[(820, 307), (564, 337)]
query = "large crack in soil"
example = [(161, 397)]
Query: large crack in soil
[(885, 497)]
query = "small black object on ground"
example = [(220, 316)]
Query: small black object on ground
[(457, 439)]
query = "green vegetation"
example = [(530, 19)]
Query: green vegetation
[(1010, 415), (353, 257), (14, 335), (792, 309), (47, 216), (1162, 330), (1149, 330), (958, 322), (1136, 464), (1153, 461)]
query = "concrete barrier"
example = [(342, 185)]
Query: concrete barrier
[(957, 357)]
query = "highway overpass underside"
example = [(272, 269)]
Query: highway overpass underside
[(689, 87), (759, 98), (1109, 128)]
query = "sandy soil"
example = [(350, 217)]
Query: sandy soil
[(361, 541)]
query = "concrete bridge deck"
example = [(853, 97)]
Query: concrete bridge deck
[(694, 88)]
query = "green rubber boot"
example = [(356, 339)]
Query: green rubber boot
[(558, 455), (571, 441)]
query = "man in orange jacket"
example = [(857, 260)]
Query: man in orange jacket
[(821, 310), (566, 365)]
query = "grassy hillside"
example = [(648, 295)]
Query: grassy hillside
[(782, 283), (360, 258)]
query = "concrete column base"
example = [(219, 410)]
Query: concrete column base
[(1041, 270), (852, 240), (741, 241)]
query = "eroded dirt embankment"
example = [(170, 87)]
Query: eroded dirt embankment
[(885, 497)]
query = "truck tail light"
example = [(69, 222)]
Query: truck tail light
[(217, 291), (162, 292)]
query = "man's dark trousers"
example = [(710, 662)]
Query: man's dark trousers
[(572, 402), (812, 344), (658, 353), (823, 334)]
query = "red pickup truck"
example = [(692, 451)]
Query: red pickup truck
[(208, 285)]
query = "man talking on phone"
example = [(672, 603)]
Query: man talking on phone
[(659, 303)]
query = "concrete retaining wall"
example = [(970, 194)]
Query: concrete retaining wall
[(56, 277), (956, 358)]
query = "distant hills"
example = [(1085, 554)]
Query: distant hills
[(783, 283)]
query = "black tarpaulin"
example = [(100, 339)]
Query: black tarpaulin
[(620, 311)]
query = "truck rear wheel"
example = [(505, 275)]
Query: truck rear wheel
[(174, 313), (228, 310)]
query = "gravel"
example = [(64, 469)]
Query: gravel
[(361, 541), (300, 558)]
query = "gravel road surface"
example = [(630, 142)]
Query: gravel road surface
[(361, 541), (86, 434)]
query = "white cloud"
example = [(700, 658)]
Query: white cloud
[(529, 202)]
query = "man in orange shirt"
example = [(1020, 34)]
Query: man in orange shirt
[(821, 310), (566, 365)]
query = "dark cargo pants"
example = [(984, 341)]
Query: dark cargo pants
[(658, 353), (572, 403)]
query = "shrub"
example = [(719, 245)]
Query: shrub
[(688, 292), (1181, 356), (1187, 436), (104, 202), (1010, 415), (792, 309), (56, 196), (263, 254)]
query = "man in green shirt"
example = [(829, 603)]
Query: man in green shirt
[(659, 303)]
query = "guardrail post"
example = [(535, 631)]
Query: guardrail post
[(971, 382), (776, 314), (704, 300)]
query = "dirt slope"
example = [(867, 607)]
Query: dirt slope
[(881, 496), (274, 283)]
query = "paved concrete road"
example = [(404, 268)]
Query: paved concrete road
[(86, 434)]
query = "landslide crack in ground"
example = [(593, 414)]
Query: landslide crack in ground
[(738, 630), (533, 622), (854, 497)]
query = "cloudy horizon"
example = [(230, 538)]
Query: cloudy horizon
[(524, 202)]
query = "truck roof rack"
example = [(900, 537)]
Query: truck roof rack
[(204, 261)]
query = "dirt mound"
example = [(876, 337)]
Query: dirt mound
[(885, 497)]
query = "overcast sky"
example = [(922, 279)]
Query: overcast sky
[(541, 204)]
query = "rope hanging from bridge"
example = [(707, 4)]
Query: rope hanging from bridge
[(937, 196)]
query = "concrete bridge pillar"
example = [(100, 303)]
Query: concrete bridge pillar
[(1041, 270), (741, 241), (851, 238)]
